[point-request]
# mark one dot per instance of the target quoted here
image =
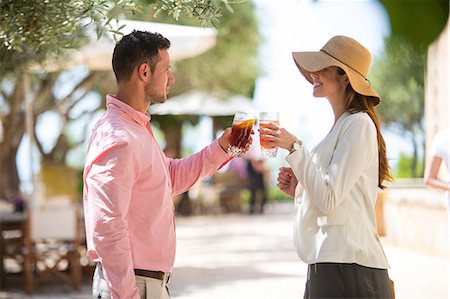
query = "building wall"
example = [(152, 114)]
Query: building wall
[(415, 217), (437, 81)]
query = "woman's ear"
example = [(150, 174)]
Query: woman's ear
[(345, 79)]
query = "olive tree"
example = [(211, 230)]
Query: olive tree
[(31, 32), (399, 75)]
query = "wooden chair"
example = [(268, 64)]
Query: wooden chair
[(12, 226), (52, 240), (229, 186)]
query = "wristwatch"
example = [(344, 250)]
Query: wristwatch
[(296, 146)]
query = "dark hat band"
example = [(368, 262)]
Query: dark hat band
[(346, 65)]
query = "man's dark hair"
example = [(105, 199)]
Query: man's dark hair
[(136, 48)]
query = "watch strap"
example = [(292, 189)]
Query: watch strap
[(296, 145)]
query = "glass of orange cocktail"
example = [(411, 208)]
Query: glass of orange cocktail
[(266, 118), (240, 133)]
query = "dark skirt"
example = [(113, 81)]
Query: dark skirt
[(338, 280)]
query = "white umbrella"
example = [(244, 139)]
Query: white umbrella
[(185, 42), (203, 103)]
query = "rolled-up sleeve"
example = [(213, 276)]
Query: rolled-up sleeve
[(186, 172)]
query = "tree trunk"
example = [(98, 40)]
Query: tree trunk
[(414, 170), (216, 127), (173, 138), (221, 123), (14, 128), (421, 162), (9, 177)]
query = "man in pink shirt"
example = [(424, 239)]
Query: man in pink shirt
[(129, 182)]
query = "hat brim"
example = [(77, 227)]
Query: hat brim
[(308, 62)]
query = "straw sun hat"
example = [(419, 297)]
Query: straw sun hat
[(343, 52)]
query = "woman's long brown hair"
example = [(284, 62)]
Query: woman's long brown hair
[(356, 102)]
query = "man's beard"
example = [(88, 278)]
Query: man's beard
[(153, 96)]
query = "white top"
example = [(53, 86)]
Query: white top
[(336, 196), (440, 147)]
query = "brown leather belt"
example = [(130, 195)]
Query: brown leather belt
[(152, 274)]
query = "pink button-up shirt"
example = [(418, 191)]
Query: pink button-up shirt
[(128, 188)]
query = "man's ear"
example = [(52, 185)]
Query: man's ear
[(144, 71)]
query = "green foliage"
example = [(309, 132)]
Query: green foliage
[(206, 12), (398, 75), (404, 165), (245, 196), (418, 21), (49, 25), (223, 121), (232, 65), (34, 31), (275, 194), (175, 120), (40, 24)]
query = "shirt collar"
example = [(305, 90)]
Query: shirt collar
[(114, 103)]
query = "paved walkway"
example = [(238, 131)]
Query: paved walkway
[(252, 257)]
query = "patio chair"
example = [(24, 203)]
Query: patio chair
[(52, 240), (229, 186), (12, 227)]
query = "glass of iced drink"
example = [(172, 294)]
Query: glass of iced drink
[(266, 118), (240, 133)]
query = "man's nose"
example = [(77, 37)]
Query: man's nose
[(171, 79)]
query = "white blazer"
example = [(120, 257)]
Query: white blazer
[(336, 195)]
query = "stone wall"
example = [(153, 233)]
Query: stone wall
[(416, 217), (437, 97)]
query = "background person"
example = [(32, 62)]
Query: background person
[(439, 155), (336, 184), (129, 182), (257, 171)]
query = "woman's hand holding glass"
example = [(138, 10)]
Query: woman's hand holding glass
[(274, 135)]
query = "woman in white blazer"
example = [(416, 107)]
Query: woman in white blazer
[(335, 185)]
